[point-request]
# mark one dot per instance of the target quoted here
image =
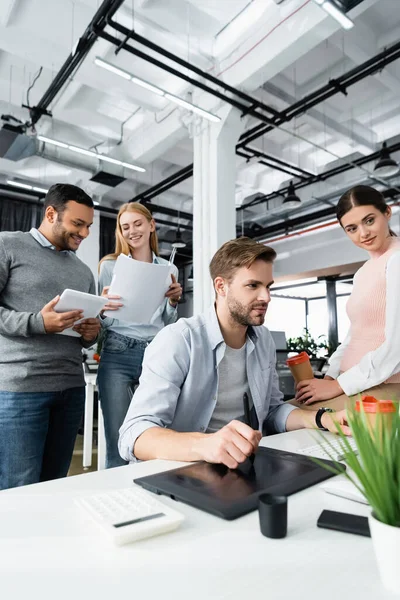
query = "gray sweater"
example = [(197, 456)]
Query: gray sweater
[(30, 276)]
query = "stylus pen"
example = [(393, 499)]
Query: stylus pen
[(246, 408)]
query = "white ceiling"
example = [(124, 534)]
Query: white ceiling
[(277, 53)]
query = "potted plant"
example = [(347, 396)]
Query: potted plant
[(306, 343), (375, 471)]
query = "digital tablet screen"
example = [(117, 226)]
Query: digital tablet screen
[(230, 493), (230, 485)]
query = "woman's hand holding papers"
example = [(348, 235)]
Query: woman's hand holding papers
[(231, 445), (88, 329), (174, 293), (110, 305)]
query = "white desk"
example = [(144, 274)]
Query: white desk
[(49, 548)]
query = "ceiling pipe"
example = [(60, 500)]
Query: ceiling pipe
[(332, 88), (285, 226), (132, 35), (161, 65), (322, 176), (107, 9), (154, 208)]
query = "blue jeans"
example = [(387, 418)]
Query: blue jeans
[(37, 434), (119, 371)]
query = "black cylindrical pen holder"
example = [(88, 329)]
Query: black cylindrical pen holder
[(272, 511)]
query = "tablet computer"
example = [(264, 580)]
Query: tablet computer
[(74, 300), (231, 493)]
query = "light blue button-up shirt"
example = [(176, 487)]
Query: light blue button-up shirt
[(179, 382), (164, 315)]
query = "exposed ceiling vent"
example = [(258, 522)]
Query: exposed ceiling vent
[(107, 179), (15, 144)]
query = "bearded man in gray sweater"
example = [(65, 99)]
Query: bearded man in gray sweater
[(41, 377)]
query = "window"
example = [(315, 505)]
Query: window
[(286, 314)]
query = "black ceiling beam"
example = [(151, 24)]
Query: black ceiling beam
[(276, 164), (321, 176), (164, 185), (132, 35), (173, 224), (154, 61), (278, 161), (333, 87), (168, 211), (307, 219), (350, 78), (86, 41)]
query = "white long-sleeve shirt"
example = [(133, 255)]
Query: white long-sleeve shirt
[(380, 364)]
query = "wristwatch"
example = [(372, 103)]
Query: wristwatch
[(318, 416)]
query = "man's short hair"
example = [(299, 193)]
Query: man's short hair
[(61, 193), (238, 253)]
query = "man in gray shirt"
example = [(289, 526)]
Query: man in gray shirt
[(209, 387), (41, 375)]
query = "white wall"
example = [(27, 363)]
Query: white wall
[(89, 250), (324, 249)]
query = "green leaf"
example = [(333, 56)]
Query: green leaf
[(377, 465)]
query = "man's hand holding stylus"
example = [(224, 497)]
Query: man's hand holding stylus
[(231, 445)]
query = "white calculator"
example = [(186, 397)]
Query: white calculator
[(130, 514)]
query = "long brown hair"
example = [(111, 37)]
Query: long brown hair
[(361, 195), (121, 245)]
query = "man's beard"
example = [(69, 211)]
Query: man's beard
[(241, 313), (61, 236)]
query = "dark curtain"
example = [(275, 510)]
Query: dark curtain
[(17, 215), (107, 235)]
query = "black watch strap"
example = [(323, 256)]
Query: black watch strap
[(318, 416)]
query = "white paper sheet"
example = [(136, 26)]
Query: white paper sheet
[(142, 288)]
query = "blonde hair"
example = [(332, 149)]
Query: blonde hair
[(121, 245)]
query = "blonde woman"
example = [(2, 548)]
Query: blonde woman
[(124, 343)]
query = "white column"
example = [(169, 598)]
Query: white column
[(214, 212)]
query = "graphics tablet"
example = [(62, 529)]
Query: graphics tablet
[(74, 300), (231, 493)]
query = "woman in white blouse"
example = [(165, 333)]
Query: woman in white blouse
[(368, 361)]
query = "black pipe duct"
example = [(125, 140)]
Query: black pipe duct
[(132, 35), (308, 219), (107, 9), (154, 61), (168, 211), (321, 176), (332, 88)]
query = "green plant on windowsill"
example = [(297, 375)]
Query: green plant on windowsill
[(306, 343), (375, 471)]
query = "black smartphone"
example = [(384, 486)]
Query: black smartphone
[(340, 521)]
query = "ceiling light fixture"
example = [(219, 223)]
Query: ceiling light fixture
[(334, 11), (97, 155), (178, 241), (291, 200), (386, 166), (156, 90), (25, 186)]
